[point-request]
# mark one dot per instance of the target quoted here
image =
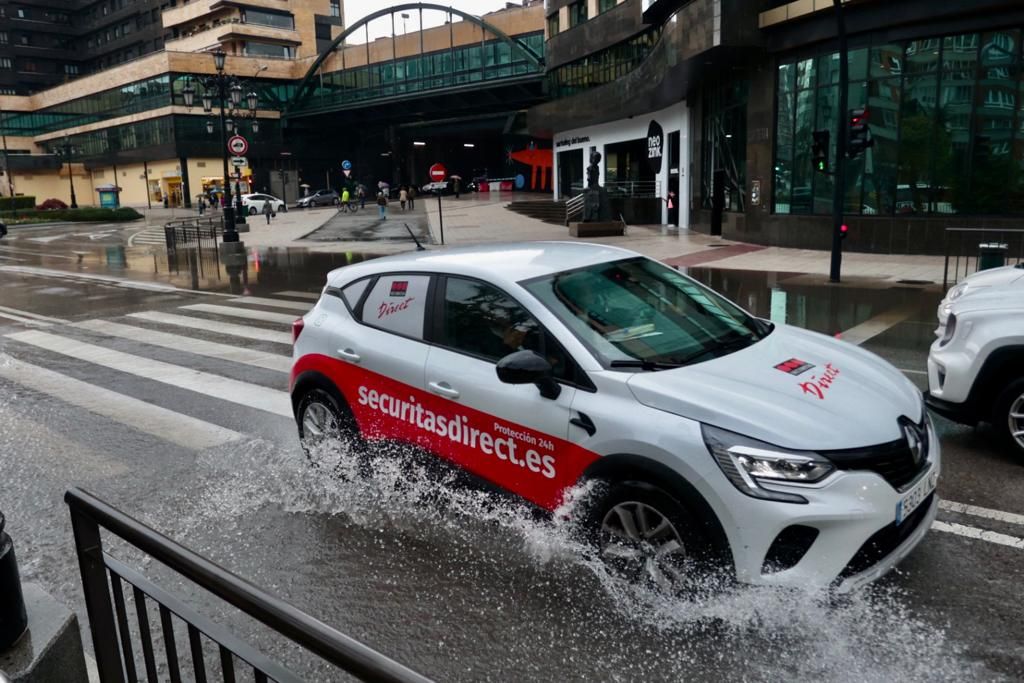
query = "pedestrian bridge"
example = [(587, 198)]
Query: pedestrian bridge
[(467, 59)]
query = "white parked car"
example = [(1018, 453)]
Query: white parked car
[(784, 456), (253, 203), (976, 366)]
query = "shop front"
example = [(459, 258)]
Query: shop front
[(643, 160)]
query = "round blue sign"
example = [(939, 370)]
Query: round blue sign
[(520, 181), (346, 165)]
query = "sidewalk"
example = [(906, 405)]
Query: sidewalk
[(483, 219)]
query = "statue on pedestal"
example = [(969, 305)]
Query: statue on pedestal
[(595, 197)]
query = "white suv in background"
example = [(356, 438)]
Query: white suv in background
[(976, 366), (785, 456)]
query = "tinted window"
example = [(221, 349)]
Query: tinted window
[(396, 304), (353, 292), (483, 321)]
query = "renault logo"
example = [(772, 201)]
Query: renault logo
[(914, 443)]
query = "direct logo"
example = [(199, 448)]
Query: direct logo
[(399, 287), (914, 443), (817, 386), (794, 366)]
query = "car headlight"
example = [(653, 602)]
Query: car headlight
[(749, 463), (949, 331), (957, 292)]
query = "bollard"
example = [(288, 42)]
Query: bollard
[(13, 620)]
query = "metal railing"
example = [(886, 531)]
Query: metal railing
[(573, 208), (963, 249), (625, 188), (194, 232), (104, 579)]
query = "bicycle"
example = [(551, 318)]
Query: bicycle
[(352, 206)]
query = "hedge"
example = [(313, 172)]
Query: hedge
[(75, 215), (9, 203)]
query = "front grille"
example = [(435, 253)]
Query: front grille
[(893, 461), (885, 541)]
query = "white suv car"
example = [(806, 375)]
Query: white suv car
[(786, 456), (976, 366)]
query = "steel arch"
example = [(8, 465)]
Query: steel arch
[(530, 55)]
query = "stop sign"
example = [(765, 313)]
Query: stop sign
[(438, 173)]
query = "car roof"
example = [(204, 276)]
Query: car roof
[(498, 263)]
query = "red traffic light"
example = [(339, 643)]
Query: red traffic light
[(843, 229)]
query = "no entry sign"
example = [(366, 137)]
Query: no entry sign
[(438, 173), (238, 145)]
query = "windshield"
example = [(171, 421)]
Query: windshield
[(638, 312)]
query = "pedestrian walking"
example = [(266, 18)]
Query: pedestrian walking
[(457, 187), (403, 197), (202, 205), (268, 211), (412, 197), (382, 206), (361, 193)]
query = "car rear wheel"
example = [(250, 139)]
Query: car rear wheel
[(643, 534), (283, 208), (253, 211), (323, 419), (1008, 416), (336, 202)]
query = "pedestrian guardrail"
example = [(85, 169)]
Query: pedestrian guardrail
[(105, 578), (625, 188), (193, 232), (969, 250)]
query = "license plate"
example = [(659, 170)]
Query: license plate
[(913, 499)]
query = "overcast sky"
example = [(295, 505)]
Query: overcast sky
[(357, 9)]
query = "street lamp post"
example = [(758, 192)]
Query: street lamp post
[(228, 91), (65, 151)]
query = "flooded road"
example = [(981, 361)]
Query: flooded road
[(453, 582)]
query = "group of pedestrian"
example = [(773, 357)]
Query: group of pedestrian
[(407, 197)]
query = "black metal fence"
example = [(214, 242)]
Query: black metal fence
[(192, 245), (971, 249), (104, 580)]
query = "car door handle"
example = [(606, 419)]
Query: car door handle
[(443, 389), (349, 355)]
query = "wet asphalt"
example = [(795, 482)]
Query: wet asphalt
[(453, 583)]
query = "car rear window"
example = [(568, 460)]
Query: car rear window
[(397, 304)]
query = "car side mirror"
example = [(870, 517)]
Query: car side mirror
[(528, 367)]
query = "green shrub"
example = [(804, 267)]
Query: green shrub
[(9, 203), (51, 204), (75, 215)]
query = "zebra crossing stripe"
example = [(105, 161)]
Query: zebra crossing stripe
[(29, 314), (264, 316), (177, 428), (299, 306), (25, 321), (312, 296), (230, 329), (223, 388), (201, 347)]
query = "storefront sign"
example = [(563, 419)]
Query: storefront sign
[(569, 142), (655, 146)]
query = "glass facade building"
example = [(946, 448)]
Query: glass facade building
[(946, 115)]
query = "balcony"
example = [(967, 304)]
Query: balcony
[(200, 9), (226, 33)]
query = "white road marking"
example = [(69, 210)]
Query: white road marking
[(201, 347), (987, 513), (872, 327), (913, 372), (312, 296), (299, 306), (242, 313), (45, 240), (234, 391), (214, 326), (11, 258), (38, 253), (130, 284), (160, 422), (26, 321), (34, 316), (980, 534)]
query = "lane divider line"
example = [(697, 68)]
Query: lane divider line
[(299, 306), (34, 316), (168, 425), (312, 296), (25, 321), (987, 513), (979, 534), (265, 316)]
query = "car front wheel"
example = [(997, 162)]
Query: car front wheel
[(1008, 416), (253, 211), (644, 535), (322, 419)]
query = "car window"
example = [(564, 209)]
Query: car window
[(483, 321), (352, 292), (397, 303)]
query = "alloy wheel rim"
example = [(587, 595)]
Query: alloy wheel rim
[(640, 543), (319, 423), (1015, 420)]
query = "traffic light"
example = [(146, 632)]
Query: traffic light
[(843, 230), (859, 136), (820, 150)]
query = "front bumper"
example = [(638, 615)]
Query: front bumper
[(854, 513), (964, 413)]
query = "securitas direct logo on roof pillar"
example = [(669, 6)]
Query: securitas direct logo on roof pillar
[(655, 146)]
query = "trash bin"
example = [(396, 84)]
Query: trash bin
[(992, 255)]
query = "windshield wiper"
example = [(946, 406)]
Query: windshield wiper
[(649, 365)]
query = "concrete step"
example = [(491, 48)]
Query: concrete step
[(544, 210)]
